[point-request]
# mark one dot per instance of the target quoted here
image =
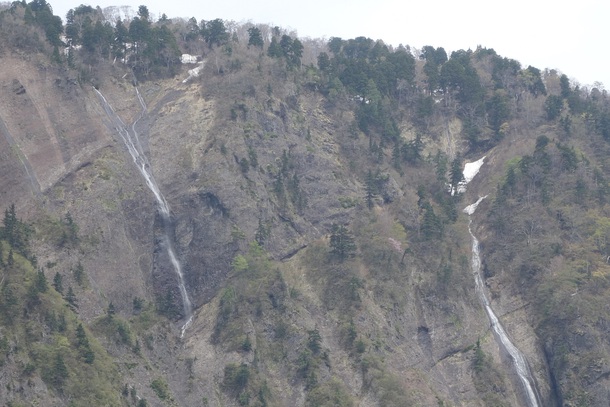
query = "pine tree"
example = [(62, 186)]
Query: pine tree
[(59, 372), (274, 50), (81, 336), (15, 232), (62, 324), (255, 37), (432, 226), (262, 233), (58, 283), (441, 166), (456, 175), (82, 342), (8, 304), (71, 298), (342, 243), (10, 224), (79, 274), (370, 189), (41, 282), (396, 154)]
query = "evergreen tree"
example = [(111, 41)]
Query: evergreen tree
[(41, 282), (59, 372), (10, 224), (8, 303), (143, 12), (58, 283), (21, 238), (432, 227), (79, 274), (262, 233), (498, 110), (412, 149), (370, 189), (396, 155), (71, 29), (215, 33), (552, 106), (296, 52), (441, 166), (139, 32), (274, 50), (255, 37), (81, 336), (62, 324), (121, 38), (323, 61), (71, 298), (342, 243), (456, 174), (286, 44), (533, 81), (334, 45), (82, 342), (434, 59), (564, 82)]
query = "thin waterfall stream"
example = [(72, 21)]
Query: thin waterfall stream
[(132, 142), (519, 361)]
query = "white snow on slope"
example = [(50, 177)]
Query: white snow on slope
[(473, 207), (470, 170), (188, 59), (193, 73)]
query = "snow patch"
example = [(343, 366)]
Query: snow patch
[(188, 59), (193, 73), (472, 169), (473, 207)]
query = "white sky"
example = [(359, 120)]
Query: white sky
[(570, 37)]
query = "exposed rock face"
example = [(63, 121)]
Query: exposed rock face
[(217, 203), (280, 174)]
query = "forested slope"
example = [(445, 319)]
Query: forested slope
[(310, 185)]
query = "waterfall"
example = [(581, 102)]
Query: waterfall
[(132, 142), (518, 359)]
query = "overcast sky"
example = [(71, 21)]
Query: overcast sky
[(570, 37)]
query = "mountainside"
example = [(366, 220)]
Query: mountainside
[(303, 200)]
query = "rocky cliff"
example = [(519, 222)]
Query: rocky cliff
[(259, 161)]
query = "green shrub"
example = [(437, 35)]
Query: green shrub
[(236, 377), (329, 394), (161, 389)]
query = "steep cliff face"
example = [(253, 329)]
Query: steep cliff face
[(294, 184), (258, 164), (63, 159)]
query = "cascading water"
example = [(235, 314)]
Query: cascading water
[(519, 361), (132, 142)]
